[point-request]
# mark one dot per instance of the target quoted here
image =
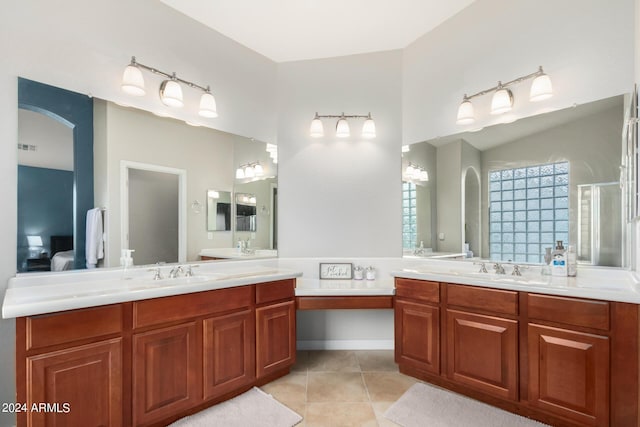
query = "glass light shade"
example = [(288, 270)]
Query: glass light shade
[(171, 93), (406, 149), (466, 115), (212, 194), (541, 88), (271, 148), (132, 81), (316, 130), (252, 200), (208, 106), (409, 170), (249, 172), (259, 171), (34, 240), (239, 173), (502, 101), (342, 129), (369, 129), (424, 176)]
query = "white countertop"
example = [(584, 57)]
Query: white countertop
[(317, 287), (47, 293), (234, 253), (611, 284), (39, 293)]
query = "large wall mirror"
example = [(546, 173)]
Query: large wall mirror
[(508, 191), (119, 138)]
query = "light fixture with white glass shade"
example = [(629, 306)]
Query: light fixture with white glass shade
[(316, 130), (414, 172), (541, 87), (342, 128), (502, 98), (170, 89)]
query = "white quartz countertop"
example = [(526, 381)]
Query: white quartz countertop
[(234, 253), (35, 294), (316, 287), (611, 284)]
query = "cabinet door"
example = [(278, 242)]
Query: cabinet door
[(275, 337), (417, 336), (82, 385), (229, 361), (482, 352), (165, 372), (569, 374)]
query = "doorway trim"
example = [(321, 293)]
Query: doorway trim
[(125, 166)]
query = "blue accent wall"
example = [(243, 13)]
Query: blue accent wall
[(45, 203), (75, 110)]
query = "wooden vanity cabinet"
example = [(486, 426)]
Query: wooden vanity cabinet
[(482, 339), (275, 327), (417, 325), (150, 362), (72, 361), (564, 361)]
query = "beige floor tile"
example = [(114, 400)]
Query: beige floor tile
[(379, 408), (376, 361), (290, 388), (340, 415), (302, 361), (336, 387), (387, 386), (333, 361)]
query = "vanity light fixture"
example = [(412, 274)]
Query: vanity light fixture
[(170, 89), (502, 100), (249, 170), (272, 149), (414, 172), (342, 125)]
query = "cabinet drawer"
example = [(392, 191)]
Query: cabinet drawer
[(274, 291), (570, 311), (421, 290), (179, 307), (69, 326), (497, 301)]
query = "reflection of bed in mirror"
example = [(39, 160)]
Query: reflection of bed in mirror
[(61, 253)]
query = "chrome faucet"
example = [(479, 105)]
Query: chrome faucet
[(483, 267), (498, 268), (419, 250), (176, 271), (516, 270), (189, 272), (157, 272)]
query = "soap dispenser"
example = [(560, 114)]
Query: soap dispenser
[(559, 260), (126, 261)]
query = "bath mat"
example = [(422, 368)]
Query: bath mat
[(254, 408), (427, 406)]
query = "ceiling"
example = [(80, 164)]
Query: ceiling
[(293, 30)]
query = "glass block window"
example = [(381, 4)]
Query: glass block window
[(528, 211), (409, 227)]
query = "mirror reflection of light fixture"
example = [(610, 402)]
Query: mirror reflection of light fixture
[(406, 148), (415, 173), (502, 99), (316, 130), (250, 170), (170, 89), (212, 194), (272, 149)]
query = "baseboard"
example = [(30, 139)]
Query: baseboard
[(345, 345)]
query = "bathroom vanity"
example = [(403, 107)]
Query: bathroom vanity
[(150, 361), (566, 361)]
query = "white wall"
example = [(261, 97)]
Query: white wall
[(586, 49), (330, 190)]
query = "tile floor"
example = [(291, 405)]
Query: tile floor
[(342, 388)]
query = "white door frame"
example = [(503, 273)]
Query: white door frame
[(125, 165)]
